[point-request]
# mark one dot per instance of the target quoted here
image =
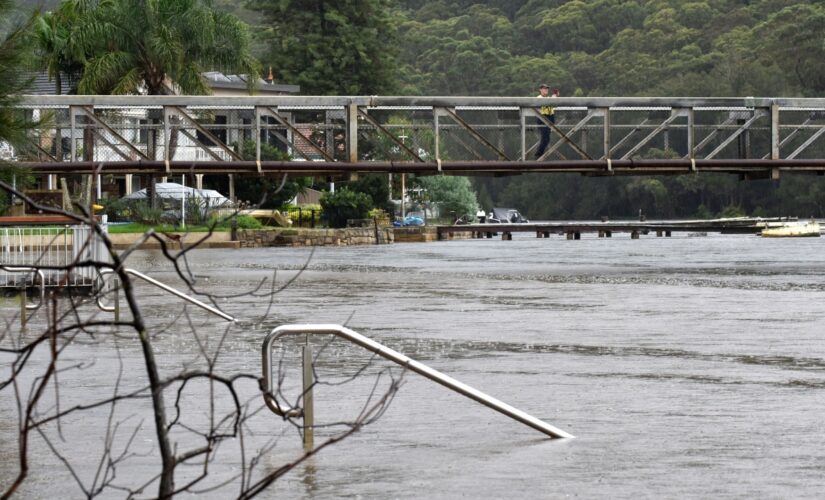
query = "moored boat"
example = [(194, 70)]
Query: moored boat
[(792, 230)]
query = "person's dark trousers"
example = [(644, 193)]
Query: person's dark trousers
[(544, 130)]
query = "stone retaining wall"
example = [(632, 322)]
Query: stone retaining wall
[(420, 234), (297, 237), (415, 234)]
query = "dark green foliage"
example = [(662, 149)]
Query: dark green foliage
[(264, 192), (331, 47), (453, 195), (61, 55), (377, 187), (15, 64), (15, 60), (345, 204)]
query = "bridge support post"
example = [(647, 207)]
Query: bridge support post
[(523, 129), (601, 233), (634, 235), (658, 234), (608, 234), (775, 132), (506, 236), (691, 133), (606, 125), (577, 235), (569, 235), (352, 133), (667, 234)]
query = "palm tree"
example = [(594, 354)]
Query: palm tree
[(157, 47), (14, 60), (158, 44), (60, 53), (14, 54)]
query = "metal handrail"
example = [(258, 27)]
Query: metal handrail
[(39, 272), (396, 357), (164, 287)]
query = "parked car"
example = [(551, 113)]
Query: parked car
[(505, 216), (410, 220)]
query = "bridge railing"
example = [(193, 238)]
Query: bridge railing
[(377, 132)]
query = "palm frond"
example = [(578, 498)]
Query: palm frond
[(190, 81), (104, 72)]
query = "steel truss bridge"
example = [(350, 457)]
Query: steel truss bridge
[(598, 136)]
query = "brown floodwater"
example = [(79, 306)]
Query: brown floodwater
[(685, 367)]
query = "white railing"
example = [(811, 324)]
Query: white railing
[(58, 251)]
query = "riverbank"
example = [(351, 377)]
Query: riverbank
[(288, 237)]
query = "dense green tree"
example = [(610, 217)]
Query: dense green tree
[(794, 40), (453, 195), (377, 187), (15, 59), (328, 47), (343, 205)]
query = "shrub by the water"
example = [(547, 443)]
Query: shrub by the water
[(345, 204)]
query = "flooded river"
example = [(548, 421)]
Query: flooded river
[(685, 367)]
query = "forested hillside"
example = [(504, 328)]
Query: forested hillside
[(614, 47), (623, 48)]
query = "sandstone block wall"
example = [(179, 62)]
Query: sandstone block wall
[(297, 237)]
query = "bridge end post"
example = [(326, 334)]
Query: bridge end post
[(774, 132), (352, 133)]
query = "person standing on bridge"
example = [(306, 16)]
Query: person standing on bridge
[(549, 113)]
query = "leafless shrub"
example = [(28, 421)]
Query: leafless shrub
[(147, 405)]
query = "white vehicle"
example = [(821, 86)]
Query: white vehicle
[(505, 216)]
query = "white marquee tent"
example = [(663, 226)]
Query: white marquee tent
[(175, 191)]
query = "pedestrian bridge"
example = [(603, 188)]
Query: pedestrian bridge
[(305, 135)]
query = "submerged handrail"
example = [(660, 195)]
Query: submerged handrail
[(39, 272), (396, 357), (164, 287)]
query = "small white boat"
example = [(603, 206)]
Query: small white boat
[(792, 230)]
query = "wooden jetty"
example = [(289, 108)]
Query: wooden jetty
[(573, 230)]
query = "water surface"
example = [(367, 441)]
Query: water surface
[(686, 367)]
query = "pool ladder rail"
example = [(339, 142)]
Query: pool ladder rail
[(356, 338), (115, 308)]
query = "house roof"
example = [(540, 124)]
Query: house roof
[(43, 86), (218, 80)]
